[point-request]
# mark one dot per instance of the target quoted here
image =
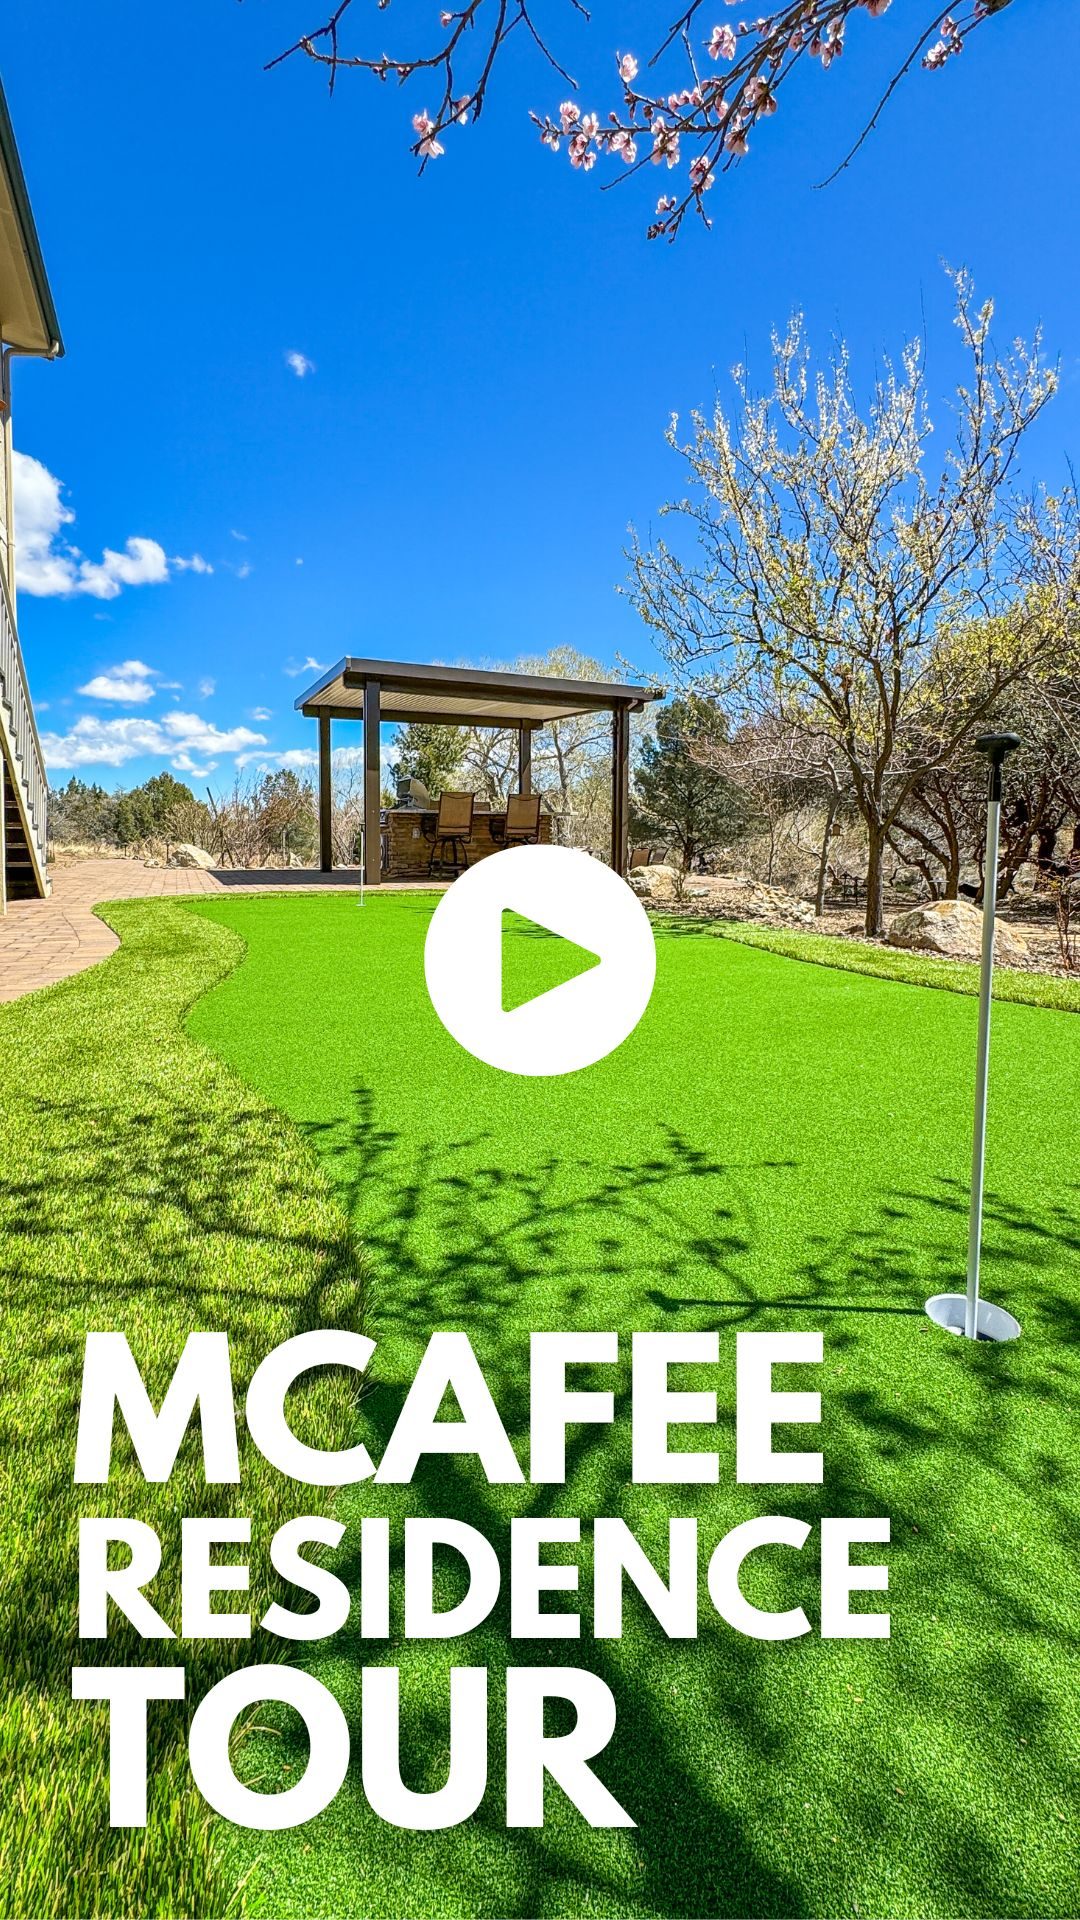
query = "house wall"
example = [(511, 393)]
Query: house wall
[(7, 505)]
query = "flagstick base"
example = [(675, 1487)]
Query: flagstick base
[(991, 1323)]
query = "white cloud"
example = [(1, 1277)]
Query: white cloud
[(300, 364), (48, 564), (184, 763), (294, 669), (131, 682), (236, 534), (39, 516), (259, 713), (304, 759), (300, 562), (207, 687), (204, 737), (300, 759), (142, 564), (94, 741), (196, 564)]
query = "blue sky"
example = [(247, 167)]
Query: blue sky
[(495, 349)]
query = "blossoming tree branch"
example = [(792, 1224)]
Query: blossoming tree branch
[(690, 106)]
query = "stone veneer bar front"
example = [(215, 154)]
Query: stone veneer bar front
[(409, 839)]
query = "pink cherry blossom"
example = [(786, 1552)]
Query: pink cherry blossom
[(722, 45), (429, 148), (701, 173), (569, 114), (757, 95), (581, 155), (625, 144), (665, 142), (590, 126), (951, 42), (628, 68), (736, 141), (666, 204)]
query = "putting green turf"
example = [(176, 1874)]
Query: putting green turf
[(776, 1146)]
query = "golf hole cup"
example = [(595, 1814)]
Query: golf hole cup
[(992, 1323)]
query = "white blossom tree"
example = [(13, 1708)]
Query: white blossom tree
[(571, 758), (880, 608)]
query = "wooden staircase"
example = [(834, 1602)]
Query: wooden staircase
[(24, 785), (20, 874)]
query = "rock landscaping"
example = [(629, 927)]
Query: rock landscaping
[(954, 928)]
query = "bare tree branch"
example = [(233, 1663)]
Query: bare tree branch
[(711, 109)]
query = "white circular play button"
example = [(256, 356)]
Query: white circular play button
[(561, 1028)]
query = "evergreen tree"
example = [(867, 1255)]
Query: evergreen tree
[(430, 754), (678, 797)]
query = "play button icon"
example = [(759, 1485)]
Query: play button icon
[(549, 959), (539, 960)]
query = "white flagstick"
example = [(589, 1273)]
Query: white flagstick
[(995, 746), (945, 1308)]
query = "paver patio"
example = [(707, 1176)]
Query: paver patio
[(42, 941)]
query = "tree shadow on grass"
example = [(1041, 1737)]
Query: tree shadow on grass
[(156, 1211), (759, 1783)]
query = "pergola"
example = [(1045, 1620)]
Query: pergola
[(372, 691)]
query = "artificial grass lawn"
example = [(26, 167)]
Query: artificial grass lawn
[(776, 1146), (143, 1188), (899, 963)]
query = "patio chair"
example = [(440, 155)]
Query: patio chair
[(522, 820), (453, 825)]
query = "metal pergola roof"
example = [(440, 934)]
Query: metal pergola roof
[(372, 691), (464, 696)]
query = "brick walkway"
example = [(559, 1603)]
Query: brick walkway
[(42, 941), (46, 940)]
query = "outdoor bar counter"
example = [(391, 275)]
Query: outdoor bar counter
[(408, 839)]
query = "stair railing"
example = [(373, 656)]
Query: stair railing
[(24, 748)]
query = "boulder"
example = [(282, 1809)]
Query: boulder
[(654, 883), (953, 928), (186, 855), (1026, 878)]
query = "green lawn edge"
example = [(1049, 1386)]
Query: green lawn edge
[(894, 963), (143, 1186)]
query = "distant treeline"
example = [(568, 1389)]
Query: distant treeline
[(85, 813)]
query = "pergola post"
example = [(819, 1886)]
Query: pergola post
[(524, 759), (620, 789), (372, 784), (326, 837)]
